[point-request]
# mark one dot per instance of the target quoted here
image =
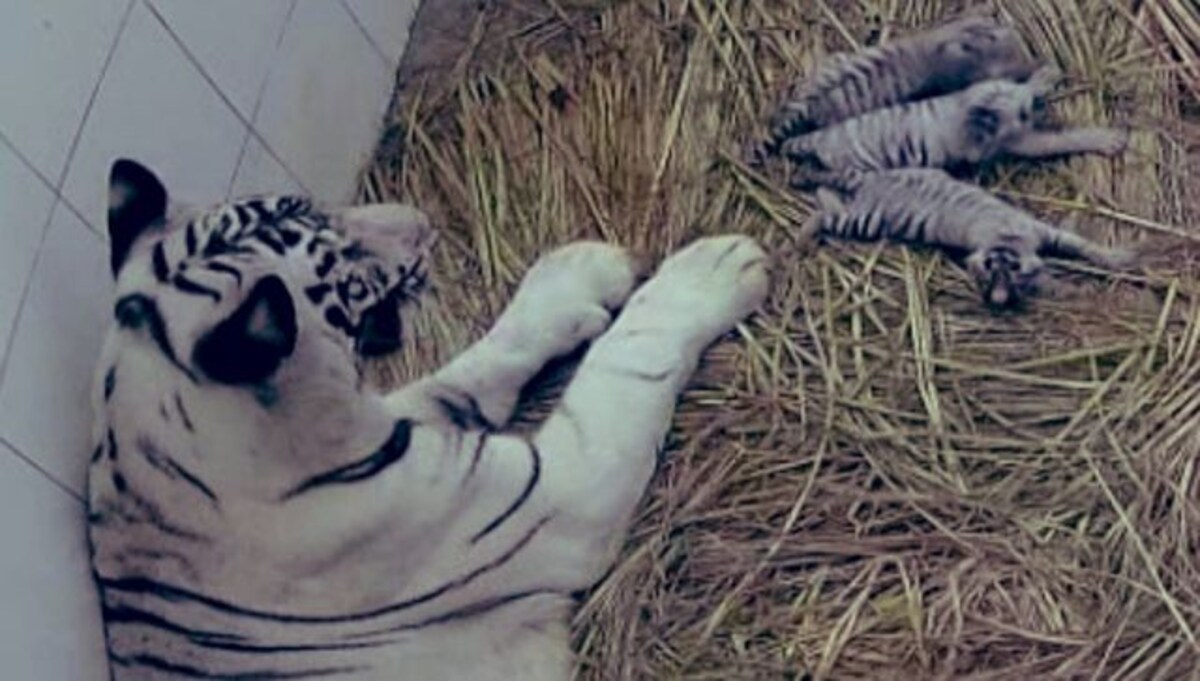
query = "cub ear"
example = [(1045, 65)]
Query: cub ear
[(137, 201), (982, 125), (248, 346)]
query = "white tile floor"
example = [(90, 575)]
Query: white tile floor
[(219, 97)]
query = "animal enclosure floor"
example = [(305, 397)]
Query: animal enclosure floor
[(874, 478)]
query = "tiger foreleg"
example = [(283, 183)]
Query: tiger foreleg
[(566, 299), (1091, 140), (600, 445)]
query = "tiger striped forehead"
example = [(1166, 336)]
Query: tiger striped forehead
[(253, 315), (343, 263)]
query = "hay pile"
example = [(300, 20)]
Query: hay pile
[(875, 478)]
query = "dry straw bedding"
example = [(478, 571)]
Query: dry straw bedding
[(873, 478)]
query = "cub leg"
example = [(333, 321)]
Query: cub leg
[(1044, 144)]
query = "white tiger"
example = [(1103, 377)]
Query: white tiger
[(983, 122), (256, 512), (937, 61), (1003, 244)]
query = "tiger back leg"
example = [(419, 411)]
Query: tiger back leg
[(566, 299), (600, 444)]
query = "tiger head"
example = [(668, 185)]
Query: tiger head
[(1006, 277), (975, 49), (245, 326)]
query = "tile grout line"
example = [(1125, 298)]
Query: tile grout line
[(42, 471), (59, 197), (87, 112), (6, 141), (258, 101), (213, 83), (59, 200), (366, 34)]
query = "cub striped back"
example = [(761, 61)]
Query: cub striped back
[(929, 207), (934, 62), (967, 127)]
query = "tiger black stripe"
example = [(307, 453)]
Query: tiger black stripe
[(172, 468), (218, 266), (159, 262), (168, 592), (465, 414), (146, 512), (391, 452), (186, 285), (267, 237), (480, 443), (183, 414), (110, 382), (472, 610), (189, 236), (317, 292), (132, 616), (124, 614), (535, 474)]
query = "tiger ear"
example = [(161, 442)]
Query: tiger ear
[(982, 125), (248, 346), (137, 201)]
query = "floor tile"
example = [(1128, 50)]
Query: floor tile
[(45, 410), (233, 40), (24, 207), (260, 173), (324, 100), (387, 22), (51, 55), (50, 623), (155, 107)]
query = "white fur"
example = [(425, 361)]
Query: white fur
[(416, 527)]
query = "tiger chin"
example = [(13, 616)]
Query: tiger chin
[(256, 510)]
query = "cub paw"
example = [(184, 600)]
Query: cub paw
[(567, 298), (1112, 142)]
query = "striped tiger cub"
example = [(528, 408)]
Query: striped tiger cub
[(255, 511), (988, 120), (938, 61), (1003, 244)]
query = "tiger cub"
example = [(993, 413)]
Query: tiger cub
[(927, 206), (257, 511), (988, 120), (941, 60)]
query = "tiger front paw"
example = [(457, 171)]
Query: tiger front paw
[(704, 289), (567, 298)]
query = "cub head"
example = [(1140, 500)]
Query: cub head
[(252, 319), (999, 110), (1004, 275), (974, 49)]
